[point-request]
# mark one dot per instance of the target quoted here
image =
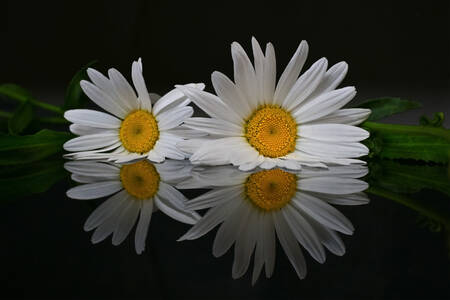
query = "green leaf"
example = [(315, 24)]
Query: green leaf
[(409, 178), (75, 97), (424, 143), (437, 121), (21, 118), (22, 180), (14, 91), (384, 107), (30, 148)]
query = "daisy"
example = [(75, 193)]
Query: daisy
[(255, 122), (255, 208), (132, 128), (139, 189)]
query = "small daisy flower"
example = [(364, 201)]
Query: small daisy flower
[(255, 208), (133, 129), (255, 122), (139, 189)]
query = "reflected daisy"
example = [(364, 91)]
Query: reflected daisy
[(133, 129), (255, 122), (255, 208), (138, 188)]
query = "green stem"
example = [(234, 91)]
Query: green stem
[(50, 120), (24, 98), (408, 129)]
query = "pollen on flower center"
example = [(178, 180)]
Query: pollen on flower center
[(140, 179), (139, 131), (272, 131), (271, 189)]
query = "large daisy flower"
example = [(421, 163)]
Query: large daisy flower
[(299, 121), (256, 207), (138, 188), (133, 129)]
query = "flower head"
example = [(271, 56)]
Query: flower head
[(256, 122), (133, 128), (137, 189), (254, 208)]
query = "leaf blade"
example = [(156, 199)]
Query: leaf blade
[(29, 148), (74, 97), (387, 106), (21, 118)]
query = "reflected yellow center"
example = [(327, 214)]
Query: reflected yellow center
[(139, 131), (272, 131), (140, 179), (271, 189)]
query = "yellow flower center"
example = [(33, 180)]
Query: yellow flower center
[(271, 189), (140, 179), (139, 131), (272, 131)]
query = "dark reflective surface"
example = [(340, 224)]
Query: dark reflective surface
[(399, 247)]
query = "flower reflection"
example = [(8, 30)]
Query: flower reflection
[(139, 189), (256, 207)]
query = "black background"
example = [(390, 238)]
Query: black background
[(393, 48)]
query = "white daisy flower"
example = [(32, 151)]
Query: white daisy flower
[(256, 207), (138, 188), (133, 129), (299, 121)]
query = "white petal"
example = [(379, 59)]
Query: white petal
[(214, 197), (259, 251), (94, 190), (289, 244), (323, 105), (211, 219), (127, 96), (214, 126), (304, 233), (245, 244), (270, 75), (105, 210), (244, 74), (143, 224), (85, 130), (126, 221), (333, 132), (230, 94), (172, 118), (333, 77), (331, 150), (109, 225), (269, 244), (349, 116), (185, 132), (92, 118), (290, 74), (174, 98), (167, 146), (170, 201), (258, 59), (306, 84), (140, 86), (322, 212), (351, 171), (328, 238), (92, 141), (211, 104), (102, 99), (231, 227), (332, 185), (350, 199), (92, 168)]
